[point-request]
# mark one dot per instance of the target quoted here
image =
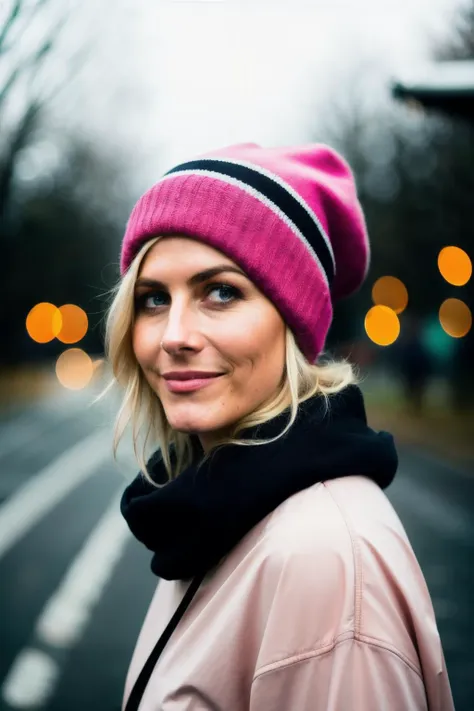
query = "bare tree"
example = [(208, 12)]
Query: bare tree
[(61, 224), (460, 44), (26, 88)]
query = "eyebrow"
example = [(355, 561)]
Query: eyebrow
[(196, 279)]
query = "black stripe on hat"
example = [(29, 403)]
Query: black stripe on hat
[(278, 195)]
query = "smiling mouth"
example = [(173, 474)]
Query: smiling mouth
[(190, 384)]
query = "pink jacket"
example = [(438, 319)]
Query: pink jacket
[(321, 607)]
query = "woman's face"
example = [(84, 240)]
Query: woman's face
[(209, 343)]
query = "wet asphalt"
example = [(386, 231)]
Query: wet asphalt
[(434, 500)]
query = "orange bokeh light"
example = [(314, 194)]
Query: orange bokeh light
[(455, 317), (382, 325), (43, 322), (390, 291), (74, 324), (74, 369), (455, 265)]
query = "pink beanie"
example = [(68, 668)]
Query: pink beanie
[(290, 218)]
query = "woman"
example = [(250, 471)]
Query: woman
[(287, 580)]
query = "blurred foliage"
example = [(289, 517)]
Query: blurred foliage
[(460, 45), (61, 197), (415, 176)]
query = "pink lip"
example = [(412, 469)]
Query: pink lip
[(190, 384)]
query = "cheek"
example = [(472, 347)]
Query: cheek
[(256, 348), (145, 342)]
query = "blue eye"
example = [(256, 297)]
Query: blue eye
[(154, 300), (219, 294), (226, 293), (150, 301)]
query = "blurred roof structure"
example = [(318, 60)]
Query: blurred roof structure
[(445, 86)]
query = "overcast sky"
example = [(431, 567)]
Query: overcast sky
[(172, 78)]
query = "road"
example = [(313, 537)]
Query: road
[(75, 585)]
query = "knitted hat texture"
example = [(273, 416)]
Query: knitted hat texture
[(289, 217)]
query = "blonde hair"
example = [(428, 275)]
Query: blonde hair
[(141, 408)]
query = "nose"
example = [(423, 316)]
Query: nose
[(181, 330)]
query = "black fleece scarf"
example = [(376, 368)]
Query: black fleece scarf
[(196, 519)]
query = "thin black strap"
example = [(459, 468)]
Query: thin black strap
[(143, 678)]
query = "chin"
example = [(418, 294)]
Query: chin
[(184, 420)]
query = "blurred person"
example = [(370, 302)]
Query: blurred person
[(287, 581), (461, 374), (415, 365)]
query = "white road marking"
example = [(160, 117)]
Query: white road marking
[(30, 680), (67, 612), (43, 491), (28, 425), (16, 430), (19, 433), (33, 676)]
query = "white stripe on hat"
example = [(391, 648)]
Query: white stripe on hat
[(261, 198), (282, 183)]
